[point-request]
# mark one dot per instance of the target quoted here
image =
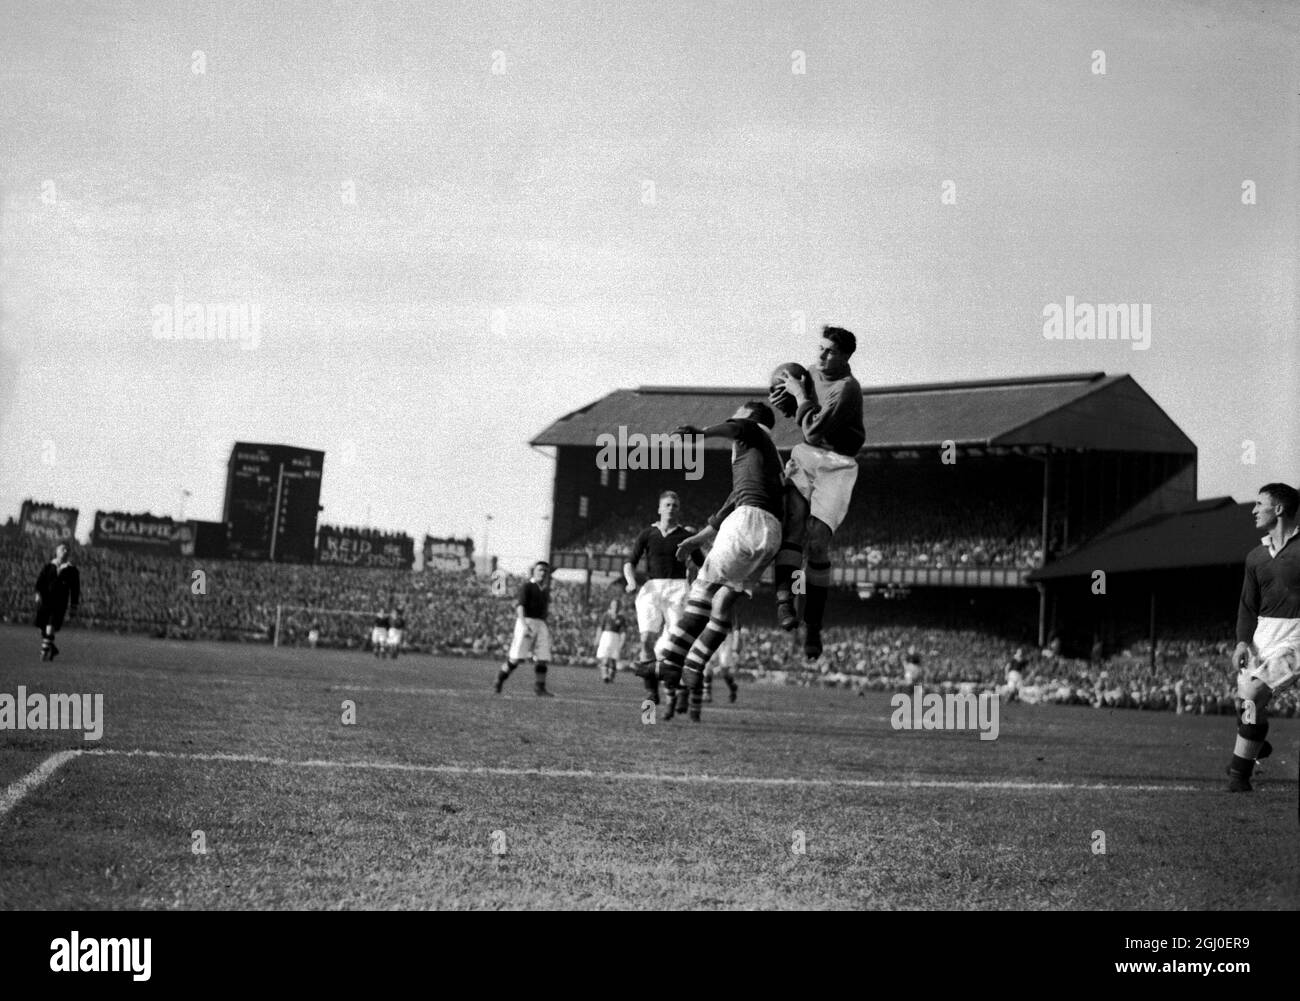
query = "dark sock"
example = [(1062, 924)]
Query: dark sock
[(789, 558)]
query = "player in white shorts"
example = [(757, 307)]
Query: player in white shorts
[(609, 641), (821, 474), (1267, 655), (532, 638), (745, 532), (396, 633), (379, 635), (661, 598)]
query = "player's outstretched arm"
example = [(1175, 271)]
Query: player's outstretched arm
[(693, 542), (727, 429)]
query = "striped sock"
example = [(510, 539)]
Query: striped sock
[(689, 625), (705, 646), (697, 660)]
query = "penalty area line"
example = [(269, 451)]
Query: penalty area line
[(15, 792), (565, 773)]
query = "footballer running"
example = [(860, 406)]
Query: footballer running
[(820, 476), (532, 639), (660, 599)]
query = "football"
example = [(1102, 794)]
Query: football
[(785, 402)]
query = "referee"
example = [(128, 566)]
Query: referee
[(58, 593)]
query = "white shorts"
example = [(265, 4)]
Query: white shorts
[(378, 635), (726, 655), (1274, 655), (745, 544), (609, 646), (660, 601), (825, 478), (395, 637), (532, 640)]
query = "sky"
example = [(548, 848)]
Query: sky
[(457, 224)]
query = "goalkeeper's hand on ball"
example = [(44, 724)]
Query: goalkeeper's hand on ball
[(782, 401)]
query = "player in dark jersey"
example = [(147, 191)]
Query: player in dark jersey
[(609, 641), (821, 473), (1267, 655), (663, 595), (746, 534), (532, 637), (58, 594), (396, 632), (379, 634)]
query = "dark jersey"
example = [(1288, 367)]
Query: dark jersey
[(381, 621), (660, 552), (536, 601), (755, 472), (611, 623), (59, 586), (834, 420), (1271, 587), (399, 623)]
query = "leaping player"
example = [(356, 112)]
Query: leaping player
[(820, 476), (746, 534), (1267, 655), (661, 598)]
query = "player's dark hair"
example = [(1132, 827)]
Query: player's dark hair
[(1288, 497), (761, 412), (841, 338), (541, 563)]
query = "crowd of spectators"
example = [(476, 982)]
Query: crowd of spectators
[(455, 612), (1191, 676), (893, 532), (924, 532)]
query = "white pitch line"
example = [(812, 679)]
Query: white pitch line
[(563, 698), (13, 795), (739, 780)]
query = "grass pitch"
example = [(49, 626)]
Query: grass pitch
[(443, 795)]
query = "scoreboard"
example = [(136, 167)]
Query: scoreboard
[(272, 500)]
